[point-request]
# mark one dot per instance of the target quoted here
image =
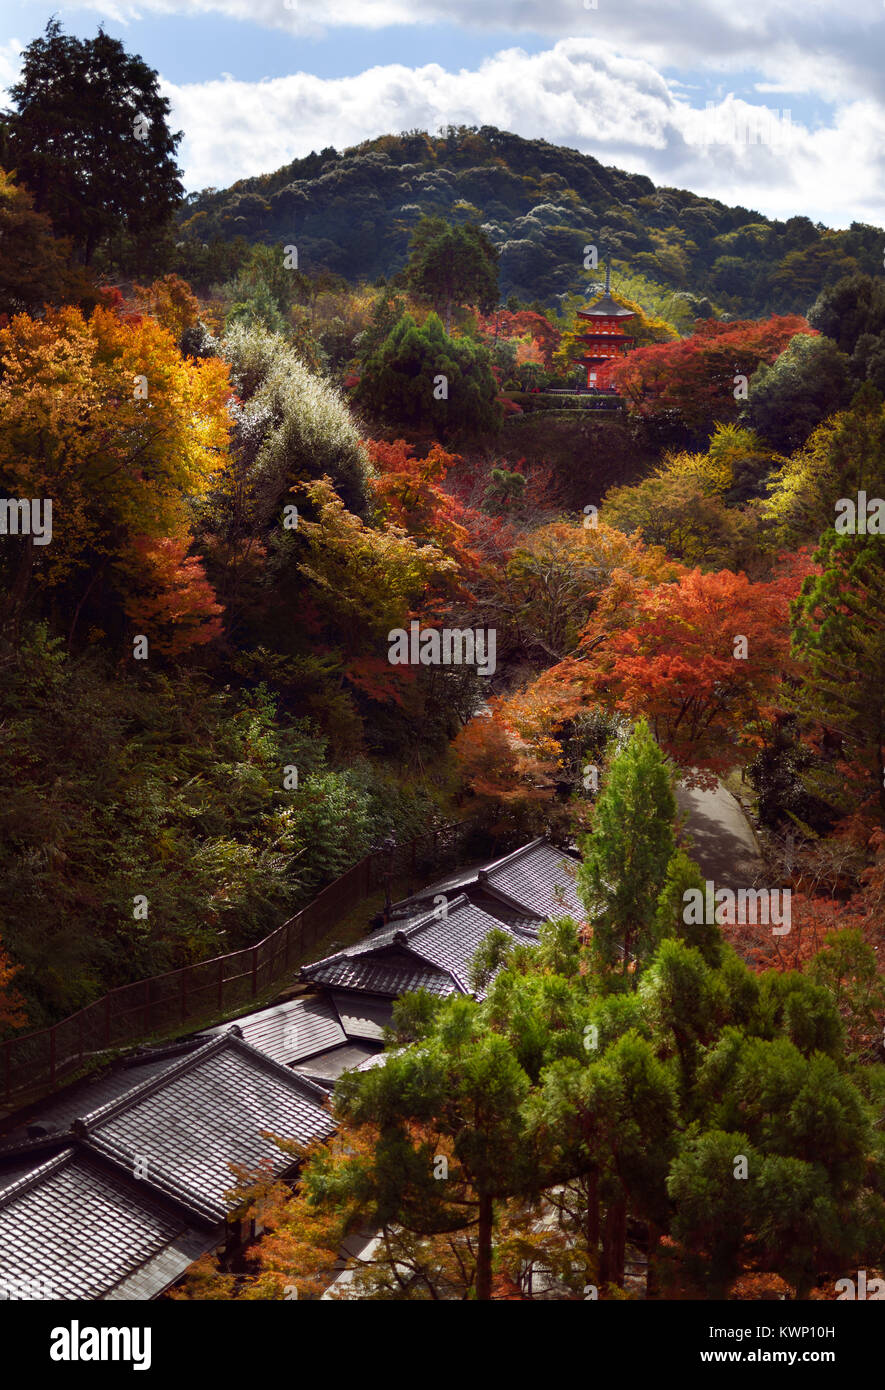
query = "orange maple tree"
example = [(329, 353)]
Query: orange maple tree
[(702, 658), (169, 598), (408, 493), (696, 375)]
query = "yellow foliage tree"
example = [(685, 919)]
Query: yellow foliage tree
[(106, 419)]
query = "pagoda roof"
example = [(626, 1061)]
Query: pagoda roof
[(606, 308)]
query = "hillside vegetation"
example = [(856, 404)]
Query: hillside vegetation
[(353, 212)]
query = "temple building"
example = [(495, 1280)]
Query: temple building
[(604, 341)]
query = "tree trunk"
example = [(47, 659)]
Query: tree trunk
[(19, 589), (78, 609), (484, 1250), (591, 1220), (652, 1286), (614, 1241)]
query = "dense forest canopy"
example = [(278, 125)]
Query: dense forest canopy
[(345, 401), (540, 204)]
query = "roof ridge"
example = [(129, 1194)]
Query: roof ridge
[(59, 1160), (232, 1039), (512, 856), (146, 1088), (159, 1180), (433, 916)]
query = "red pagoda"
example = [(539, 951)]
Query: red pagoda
[(605, 342)]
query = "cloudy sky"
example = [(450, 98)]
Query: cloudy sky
[(778, 105)]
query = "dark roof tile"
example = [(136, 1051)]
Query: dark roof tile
[(363, 1017), (292, 1031), (188, 1126), (81, 1226)]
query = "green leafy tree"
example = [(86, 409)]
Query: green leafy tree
[(844, 455), (422, 378), (851, 309), (712, 1207), (684, 1001), (839, 629), (789, 397), (611, 1123), (456, 1095), (452, 266), (683, 874)]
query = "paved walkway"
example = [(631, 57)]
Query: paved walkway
[(722, 841)]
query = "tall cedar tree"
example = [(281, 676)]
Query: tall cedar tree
[(839, 627), (626, 858), (88, 136)]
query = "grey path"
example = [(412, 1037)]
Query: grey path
[(722, 841)]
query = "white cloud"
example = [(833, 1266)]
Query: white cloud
[(829, 49), (10, 63), (578, 93)]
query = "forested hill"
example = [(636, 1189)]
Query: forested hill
[(353, 213)]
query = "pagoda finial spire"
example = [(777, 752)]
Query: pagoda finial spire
[(608, 277)]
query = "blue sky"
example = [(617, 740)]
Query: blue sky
[(255, 83)]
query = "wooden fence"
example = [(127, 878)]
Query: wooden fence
[(205, 993)]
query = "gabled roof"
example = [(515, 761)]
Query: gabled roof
[(291, 1032), (531, 876), (137, 1191), (187, 1126), (428, 951), (519, 889), (83, 1229)]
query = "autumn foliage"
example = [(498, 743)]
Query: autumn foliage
[(702, 658), (696, 375)]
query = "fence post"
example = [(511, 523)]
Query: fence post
[(254, 971), (220, 982), (288, 935)]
